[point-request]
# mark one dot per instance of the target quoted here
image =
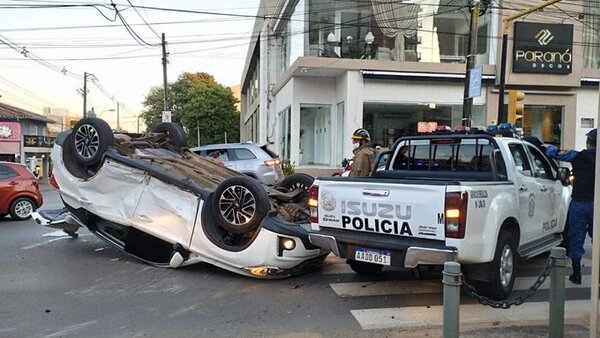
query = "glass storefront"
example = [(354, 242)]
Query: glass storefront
[(591, 34), (284, 137), (543, 122), (388, 121), (315, 134)]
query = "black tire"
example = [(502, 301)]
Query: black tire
[(21, 208), (240, 204), (364, 268), (503, 268), (175, 133), (91, 137), (295, 181)]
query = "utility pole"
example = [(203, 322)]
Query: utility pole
[(473, 29), (85, 75), (506, 23), (164, 64)]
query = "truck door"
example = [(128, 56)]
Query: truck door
[(529, 194), (550, 191)]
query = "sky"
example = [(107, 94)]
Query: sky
[(86, 39)]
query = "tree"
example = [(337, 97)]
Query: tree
[(197, 102)]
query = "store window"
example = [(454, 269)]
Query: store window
[(424, 31), (543, 122), (284, 136), (388, 121), (315, 134)]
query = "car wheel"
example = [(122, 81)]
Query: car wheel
[(364, 268), (21, 208), (503, 268), (175, 133), (240, 204), (91, 138), (296, 181)]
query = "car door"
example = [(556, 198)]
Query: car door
[(550, 192), (9, 183), (227, 157), (528, 192)]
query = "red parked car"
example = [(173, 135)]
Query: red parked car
[(19, 191)]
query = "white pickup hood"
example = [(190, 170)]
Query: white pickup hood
[(392, 209)]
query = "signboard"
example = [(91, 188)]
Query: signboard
[(543, 48), (166, 116), (475, 82), (10, 131)]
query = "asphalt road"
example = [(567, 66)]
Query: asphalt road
[(55, 286)]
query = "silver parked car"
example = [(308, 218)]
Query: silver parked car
[(247, 158)]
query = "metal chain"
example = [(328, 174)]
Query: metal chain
[(516, 301)]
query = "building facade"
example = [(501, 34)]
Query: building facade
[(24, 139), (317, 70)]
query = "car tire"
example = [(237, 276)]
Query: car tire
[(21, 208), (175, 133), (364, 268), (295, 181), (240, 204), (503, 268), (91, 137)]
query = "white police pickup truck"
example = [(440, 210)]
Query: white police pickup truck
[(483, 200)]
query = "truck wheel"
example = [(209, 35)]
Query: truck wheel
[(503, 268), (364, 268), (91, 137), (240, 204)]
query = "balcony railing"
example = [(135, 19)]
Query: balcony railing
[(36, 141)]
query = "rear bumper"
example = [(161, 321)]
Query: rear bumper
[(405, 252)]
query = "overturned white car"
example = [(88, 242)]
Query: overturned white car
[(152, 198)]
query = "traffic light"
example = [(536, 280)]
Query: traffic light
[(515, 106)]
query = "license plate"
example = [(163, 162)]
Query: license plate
[(372, 256)]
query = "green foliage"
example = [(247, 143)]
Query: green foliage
[(288, 168), (197, 102)]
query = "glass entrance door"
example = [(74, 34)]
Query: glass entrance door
[(543, 122)]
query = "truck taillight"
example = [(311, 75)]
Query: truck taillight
[(313, 203), (456, 214)]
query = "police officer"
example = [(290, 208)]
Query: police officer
[(364, 156), (581, 209)]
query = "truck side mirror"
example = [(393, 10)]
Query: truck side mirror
[(564, 175)]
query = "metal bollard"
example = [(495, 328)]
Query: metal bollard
[(452, 281), (556, 326)]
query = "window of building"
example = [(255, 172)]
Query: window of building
[(315, 134), (425, 31), (587, 122), (543, 122), (388, 121), (591, 34), (284, 135)]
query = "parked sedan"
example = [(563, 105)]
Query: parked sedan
[(154, 199), (19, 191)]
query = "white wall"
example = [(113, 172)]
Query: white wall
[(587, 107), (413, 92)]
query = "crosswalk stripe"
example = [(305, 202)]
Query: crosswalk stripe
[(428, 316), (407, 287)]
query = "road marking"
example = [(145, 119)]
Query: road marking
[(35, 245), (71, 329), (428, 316)]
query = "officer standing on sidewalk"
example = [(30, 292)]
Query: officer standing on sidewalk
[(364, 156), (581, 209)]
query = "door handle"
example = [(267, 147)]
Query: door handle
[(84, 201), (13, 183), (544, 189), (523, 188)]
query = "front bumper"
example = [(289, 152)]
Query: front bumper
[(405, 252)]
